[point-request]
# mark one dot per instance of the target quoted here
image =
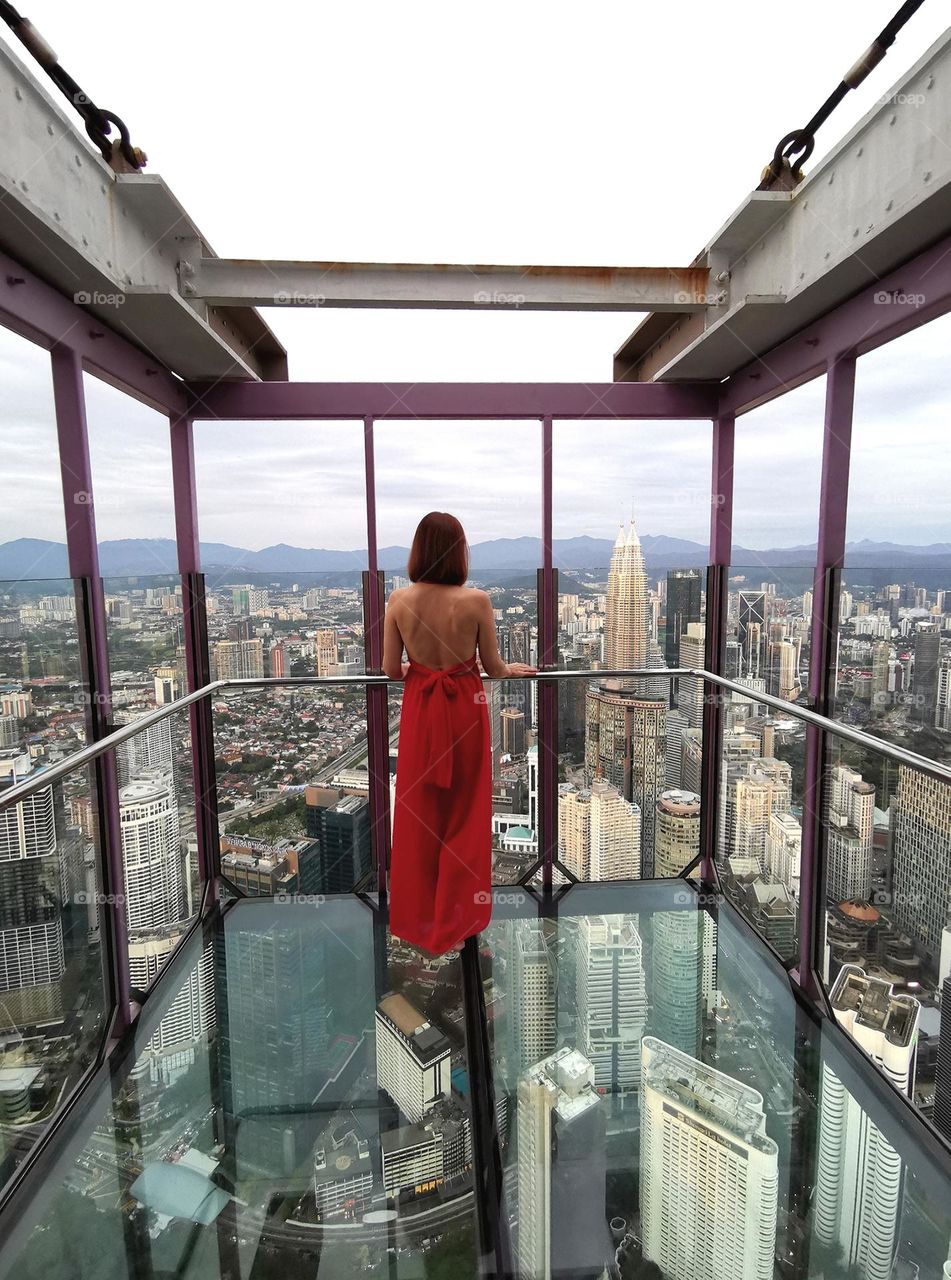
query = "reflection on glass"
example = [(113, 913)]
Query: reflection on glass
[(52, 996), (887, 883), (159, 842), (299, 1105)]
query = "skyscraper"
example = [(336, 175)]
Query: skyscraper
[(626, 628), (677, 969), (626, 745), (752, 635), (32, 953), (531, 995), (561, 1170), (412, 1057), (921, 863), (683, 607), (858, 1194), (925, 681), (677, 832), (599, 833), (611, 1000), (709, 1172), (849, 823), (346, 851)]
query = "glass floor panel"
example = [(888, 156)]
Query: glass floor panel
[(303, 1099)]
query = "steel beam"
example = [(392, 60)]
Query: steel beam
[(112, 242), (229, 282), (266, 401), (881, 196)]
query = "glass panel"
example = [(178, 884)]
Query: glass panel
[(505, 554), (293, 789), (32, 521), (280, 1109), (894, 656), (159, 842), (145, 630), (52, 987), (762, 783), (887, 889), (629, 763)]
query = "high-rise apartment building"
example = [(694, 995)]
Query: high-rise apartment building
[(683, 608), (849, 824), (921, 859), (412, 1058), (599, 833), (238, 660), (709, 1171), (676, 832), (858, 1194), (531, 995), (611, 999), (561, 1169)]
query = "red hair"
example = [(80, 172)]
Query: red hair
[(440, 552)]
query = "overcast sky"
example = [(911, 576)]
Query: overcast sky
[(607, 134)]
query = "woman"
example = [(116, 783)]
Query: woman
[(441, 863)]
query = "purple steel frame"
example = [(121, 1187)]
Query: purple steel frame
[(79, 342)]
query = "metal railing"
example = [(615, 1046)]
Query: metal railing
[(86, 755)]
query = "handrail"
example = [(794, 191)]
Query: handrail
[(52, 773)]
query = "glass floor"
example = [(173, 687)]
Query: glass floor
[(307, 1097)]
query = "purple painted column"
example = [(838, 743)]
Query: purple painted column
[(197, 662), (721, 551), (547, 689), (830, 556), (83, 552), (378, 749)]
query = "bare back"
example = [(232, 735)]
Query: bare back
[(439, 624)]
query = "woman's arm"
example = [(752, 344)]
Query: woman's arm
[(392, 641)]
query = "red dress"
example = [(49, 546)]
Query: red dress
[(441, 860)]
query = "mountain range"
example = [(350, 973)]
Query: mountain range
[(35, 558)]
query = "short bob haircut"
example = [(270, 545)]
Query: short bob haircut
[(440, 552)]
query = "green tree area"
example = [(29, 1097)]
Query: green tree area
[(251, 765), (287, 819)]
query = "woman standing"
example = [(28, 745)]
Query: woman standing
[(441, 861)]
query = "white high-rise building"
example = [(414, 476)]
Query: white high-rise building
[(849, 817), (784, 850), (709, 1172), (611, 999), (858, 1192), (412, 1058), (599, 833), (531, 995), (561, 1168), (152, 855)]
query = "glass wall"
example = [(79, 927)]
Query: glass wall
[(631, 530), (488, 474), (894, 651), (53, 998)]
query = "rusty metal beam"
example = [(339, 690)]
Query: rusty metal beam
[(231, 282)]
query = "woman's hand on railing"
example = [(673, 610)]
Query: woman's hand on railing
[(515, 669)]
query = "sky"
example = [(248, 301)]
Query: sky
[(609, 134)]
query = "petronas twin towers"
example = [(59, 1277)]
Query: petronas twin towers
[(626, 629)]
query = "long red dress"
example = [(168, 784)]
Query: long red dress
[(441, 859)]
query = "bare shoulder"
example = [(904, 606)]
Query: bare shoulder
[(478, 599), (396, 595)]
